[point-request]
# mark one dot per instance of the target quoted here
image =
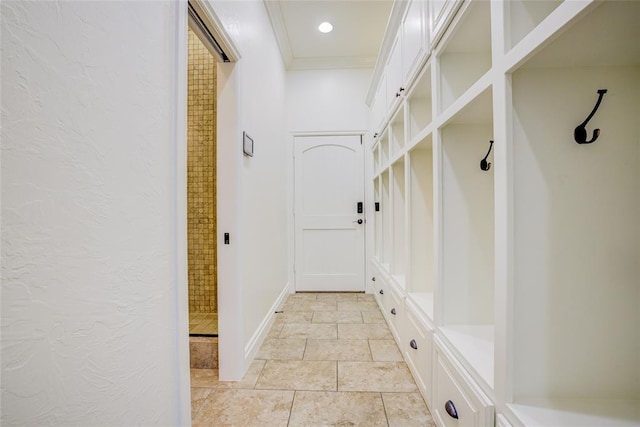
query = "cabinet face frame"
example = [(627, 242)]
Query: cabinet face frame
[(535, 42)]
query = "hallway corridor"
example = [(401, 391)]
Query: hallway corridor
[(329, 359)]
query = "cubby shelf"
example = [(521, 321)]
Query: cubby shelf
[(465, 53), (524, 16), (527, 271), (419, 105), (475, 344), (576, 232)]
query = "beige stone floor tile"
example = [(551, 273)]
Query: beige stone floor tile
[(385, 351), (276, 328), (209, 377), (314, 306), (375, 376), (357, 306), (337, 350), (294, 316), (309, 330), (372, 317), (287, 305), (372, 331), (406, 410), (245, 408), (330, 296), (282, 349), (337, 317), (298, 375), (366, 297), (303, 296), (312, 408), (198, 396)]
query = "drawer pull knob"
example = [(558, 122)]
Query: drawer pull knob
[(381, 292), (451, 409), (393, 311), (413, 344)]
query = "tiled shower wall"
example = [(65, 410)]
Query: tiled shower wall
[(201, 178)]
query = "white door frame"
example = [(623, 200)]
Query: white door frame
[(291, 199), (231, 351)]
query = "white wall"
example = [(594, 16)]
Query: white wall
[(327, 100), (90, 277), (261, 242)]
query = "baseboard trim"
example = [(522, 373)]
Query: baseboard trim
[(252, 347)]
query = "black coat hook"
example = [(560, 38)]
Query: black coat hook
[(484, 165), (580, 133)]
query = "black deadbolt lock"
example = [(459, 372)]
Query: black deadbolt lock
[(360, 207)]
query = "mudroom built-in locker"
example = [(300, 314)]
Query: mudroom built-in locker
[(503, 158)]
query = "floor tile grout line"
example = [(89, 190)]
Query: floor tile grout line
[(295, 392), (385, 409)]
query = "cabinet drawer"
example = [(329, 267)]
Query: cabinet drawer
[(455, 389), (418, 349), (379, 289), (395, 313)]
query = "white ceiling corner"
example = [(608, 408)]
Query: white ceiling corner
[(359, 27), (279, 30)]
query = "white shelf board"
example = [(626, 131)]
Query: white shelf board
[(545, 32), (578, 412), (422, 135), (424, 301), (475, 343), (482, 84)]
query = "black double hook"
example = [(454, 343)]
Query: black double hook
[(484, 165), (580, 133)]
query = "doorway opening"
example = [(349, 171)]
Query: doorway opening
[(201, 189)]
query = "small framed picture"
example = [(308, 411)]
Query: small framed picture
[(247, 144)]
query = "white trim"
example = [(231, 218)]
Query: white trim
[(214, 25), (232, 366), (252, 347), (279, 30), (180, 214), (327, 133), (331, 62)]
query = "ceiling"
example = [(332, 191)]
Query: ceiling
[(358, 31)]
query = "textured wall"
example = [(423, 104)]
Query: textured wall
[(89, 327), (201, 181)]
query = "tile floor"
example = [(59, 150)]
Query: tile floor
[(203, 323), (329, 359)]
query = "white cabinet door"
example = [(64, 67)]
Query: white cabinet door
[(329, 230), (394, 75), (413, 40), (442, 12), (379, 106)]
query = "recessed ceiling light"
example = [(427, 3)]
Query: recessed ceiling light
[(325, 27)]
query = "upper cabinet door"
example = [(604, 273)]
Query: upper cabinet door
[(395, 87), (413, 39), (441, 13), (379, 106)]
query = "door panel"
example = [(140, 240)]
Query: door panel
[(329, 243)]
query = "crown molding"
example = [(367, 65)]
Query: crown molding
[(327, 63), (279, 30)]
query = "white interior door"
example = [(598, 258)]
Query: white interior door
[(329, 231)]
